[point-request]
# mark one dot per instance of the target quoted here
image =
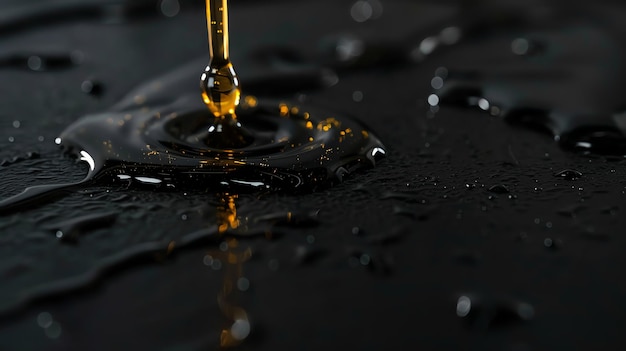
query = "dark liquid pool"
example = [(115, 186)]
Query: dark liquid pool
[(158, 135)]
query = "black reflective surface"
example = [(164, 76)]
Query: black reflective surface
[(474, 232)]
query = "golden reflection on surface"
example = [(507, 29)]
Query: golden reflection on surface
[(239, 330), (284, 110), (328, 123), (251, 101), (227, 214), (233, 255)]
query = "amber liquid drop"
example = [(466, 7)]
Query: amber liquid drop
[(219, 82)]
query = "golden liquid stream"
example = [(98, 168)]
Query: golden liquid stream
[(219, 82)]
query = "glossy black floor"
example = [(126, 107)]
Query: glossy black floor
[(473, 233)]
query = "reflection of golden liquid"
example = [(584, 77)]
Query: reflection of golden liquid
[(219, 82), (240, 327), (227, 214), (233, 257)]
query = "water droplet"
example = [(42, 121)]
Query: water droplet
[(436, 83), (569, 174), (433, 100), (53, 331), (169, 8), (243, 284), (485, 313), (499, 189), (207, 260), (307, 254), (552, 244), (365, 259), (70, 231), (34, 63), (92, 87), (463, 306), (240, 330), (520, 46), (44, 319), (216, 264)]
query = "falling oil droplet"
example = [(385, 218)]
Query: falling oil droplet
[(220, 86), (219, 82)]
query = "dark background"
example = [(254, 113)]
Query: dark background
[(465, 205)]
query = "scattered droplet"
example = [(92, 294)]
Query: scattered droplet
[(240, 329), (463, 306), (44, 319), (243, 284), (552, 244), (499, 189), (92, 87), (70, 231), (169, 8), (308, 254), (484, 313), (569, 174)]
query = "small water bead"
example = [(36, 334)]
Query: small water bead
[(482, 312), (52, 328), (520, 46), (552, 244), (308, 254), (35, 63), (463, 306), (169, 8), (44, 319), (243, 284), (499, 189), (365, 259), (437, 82), (240, 329), (92, 87), (569, 174), (433, 100), (224, 246), (365, 10)]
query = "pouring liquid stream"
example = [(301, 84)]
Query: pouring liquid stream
[(219, 82)]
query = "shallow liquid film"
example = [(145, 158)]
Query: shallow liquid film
[(162, 135)]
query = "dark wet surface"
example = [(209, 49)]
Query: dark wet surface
[(476, 232)]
